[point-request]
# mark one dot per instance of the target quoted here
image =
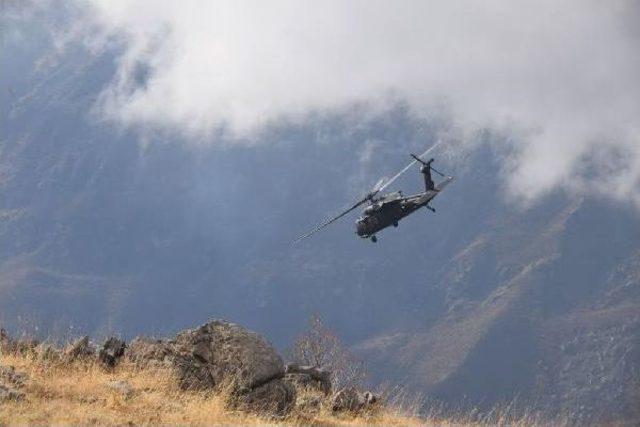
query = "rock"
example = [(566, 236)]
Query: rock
[(276, 397), (351, 400), (7, 393), (111, 352), (122, 387), (145, 352), (219, 352), (8, 374), (79, 349), (309, 377)]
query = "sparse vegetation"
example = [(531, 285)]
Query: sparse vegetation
[(82, 392), (70, 387), (321, 347)]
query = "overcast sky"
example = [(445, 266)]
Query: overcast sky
[(562, 76)]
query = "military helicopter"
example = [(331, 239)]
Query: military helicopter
[(388, 209)]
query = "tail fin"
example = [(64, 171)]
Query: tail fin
[(426, 171), (428, 181)]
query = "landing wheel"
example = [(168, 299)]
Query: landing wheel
[(374, 239), (395, 223)]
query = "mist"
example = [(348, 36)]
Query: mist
[(561, 77)]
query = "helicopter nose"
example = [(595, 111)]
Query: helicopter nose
[(360, 228)]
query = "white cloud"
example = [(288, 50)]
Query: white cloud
[(565, 73)]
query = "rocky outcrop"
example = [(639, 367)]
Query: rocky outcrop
[(219, 351), (146, 352), (111, 352), (217, 356), (222, 354)]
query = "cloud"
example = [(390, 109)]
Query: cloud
[(562, 77)]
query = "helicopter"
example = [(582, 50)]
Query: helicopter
[(388, 209)]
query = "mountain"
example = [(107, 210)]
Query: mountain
[(542, 305), (138, 230)]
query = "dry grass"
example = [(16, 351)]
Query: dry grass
[(78, 393)]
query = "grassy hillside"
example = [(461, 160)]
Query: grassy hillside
[(82, 392)]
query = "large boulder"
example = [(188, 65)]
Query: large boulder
[(222, 354), (148, 352), (219, 353)]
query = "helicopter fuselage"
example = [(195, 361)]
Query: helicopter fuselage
[(386, 210), (391, 208)]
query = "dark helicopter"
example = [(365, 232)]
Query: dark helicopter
[(388, 209)]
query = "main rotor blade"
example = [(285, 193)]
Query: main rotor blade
[(406, 168), (379, 184), (324, 224)]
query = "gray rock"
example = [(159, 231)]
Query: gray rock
[(219, 352), (275, 398), (351, 400), (145, 352), (111, 352), (309, 377)]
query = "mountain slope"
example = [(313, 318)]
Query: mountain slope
[(137, 230), (547, 331)]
